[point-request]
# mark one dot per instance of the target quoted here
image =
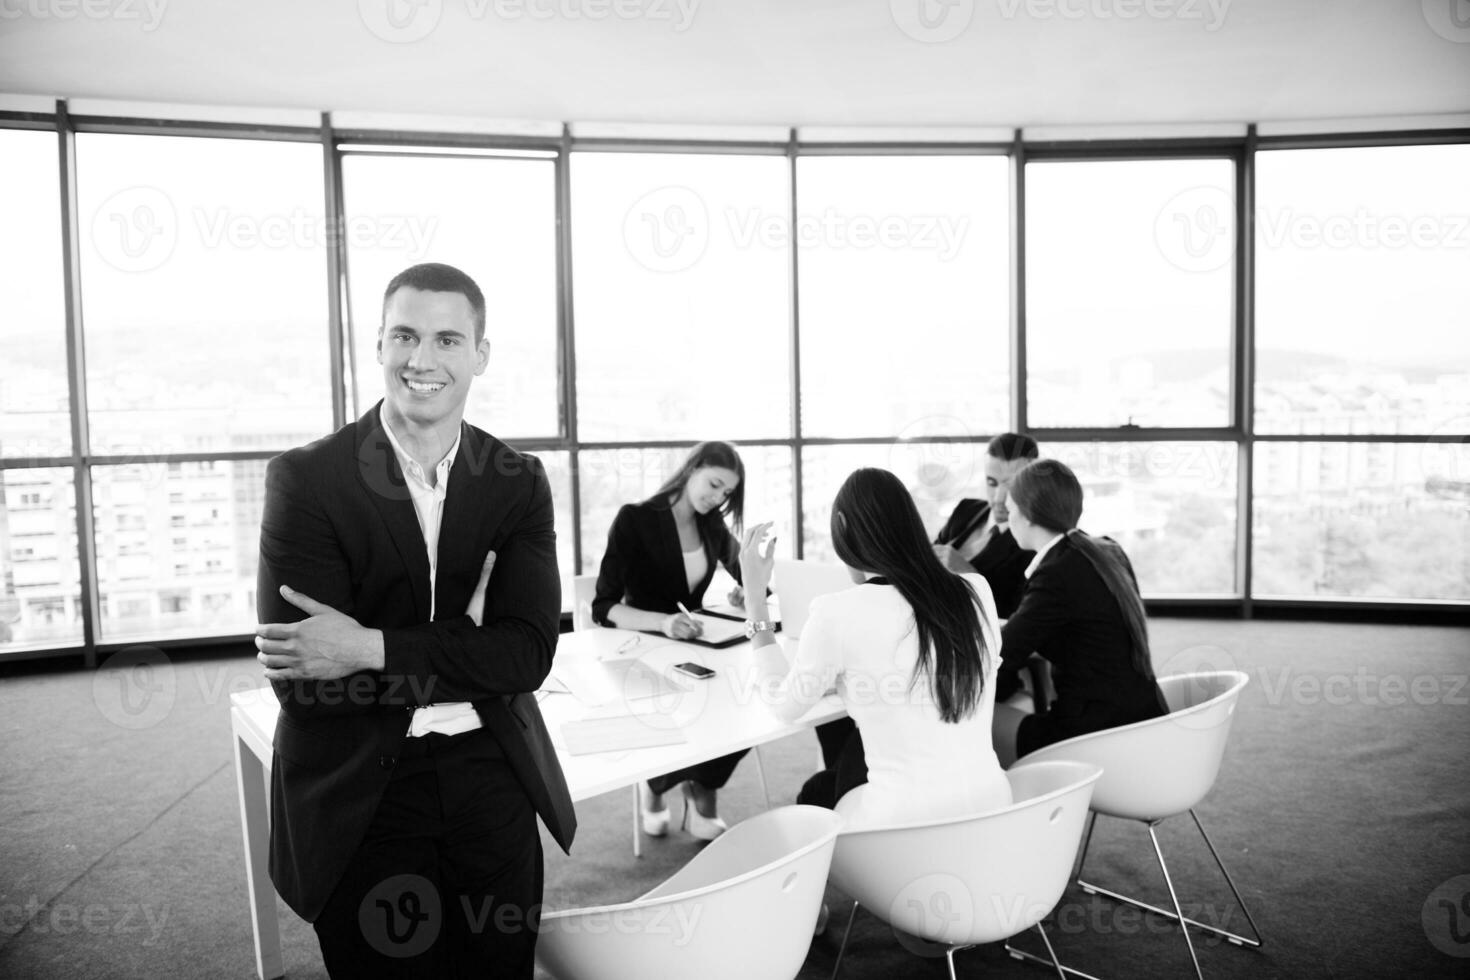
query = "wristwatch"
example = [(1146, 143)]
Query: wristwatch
[(760, 625)]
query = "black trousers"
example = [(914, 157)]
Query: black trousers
[(713, 774), (447, 882), (846, 770)]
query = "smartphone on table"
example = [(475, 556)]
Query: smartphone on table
[(697, 671)]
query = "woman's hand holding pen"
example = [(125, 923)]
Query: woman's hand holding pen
[(681, 625)]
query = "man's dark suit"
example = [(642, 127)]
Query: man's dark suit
[(1001, 562), (339, 526), (1069, 617)]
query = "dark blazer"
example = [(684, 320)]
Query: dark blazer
[(1002, 562), (339, 525), (1069, 617), (643, 565)]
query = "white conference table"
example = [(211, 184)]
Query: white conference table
[(717, 716)]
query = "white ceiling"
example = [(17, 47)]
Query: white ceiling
[(769, 62)]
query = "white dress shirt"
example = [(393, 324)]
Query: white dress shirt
[(453, 717), (1041, 553)]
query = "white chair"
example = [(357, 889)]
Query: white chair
[(1155, 769), (743, 907), (584, 590), (975, 879)]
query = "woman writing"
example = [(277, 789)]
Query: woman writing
[(1081, 611), (662, 553), (913, 653)]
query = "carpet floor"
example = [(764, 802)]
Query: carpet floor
[(1342, 810)]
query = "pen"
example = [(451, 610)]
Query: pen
[(685, 610)]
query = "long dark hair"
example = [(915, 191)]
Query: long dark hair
[(876, 528), (1049, 494), (725, 456)]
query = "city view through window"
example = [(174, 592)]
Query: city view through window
[(207, 345)]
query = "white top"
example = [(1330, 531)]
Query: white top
[(696, 563), (428, 504), (863, 639), (1040, 554)]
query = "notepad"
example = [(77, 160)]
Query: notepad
[(718, 631), (619, 733)]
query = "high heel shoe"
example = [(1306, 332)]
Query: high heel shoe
[(697, 824), (655, 822)]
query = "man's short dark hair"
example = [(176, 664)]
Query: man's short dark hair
[(1010, 446), (436, 277)]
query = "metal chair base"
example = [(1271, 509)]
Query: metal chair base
[(1178, 914), (949, 952)]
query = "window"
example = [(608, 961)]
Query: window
[(35, 414), (938, 475), (180, 561), (905, 295), (1363, 520), (682, 289), (1171, 505), (1362, 291), (203, 293), (40, 578), (1129, 292), (494, 219)]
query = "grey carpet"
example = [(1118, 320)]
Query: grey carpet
[(1342, 805)]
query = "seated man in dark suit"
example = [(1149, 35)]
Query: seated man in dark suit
[(977, 536), (410, 758)]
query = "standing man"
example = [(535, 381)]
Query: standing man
[(977, 538), (410, 757)]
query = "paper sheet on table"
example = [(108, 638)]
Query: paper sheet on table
[(619, 733), (724, 609), (599, 682)]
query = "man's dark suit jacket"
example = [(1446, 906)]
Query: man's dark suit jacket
[(644, 563), (1068, 616), (339, 525), (1002, 562)]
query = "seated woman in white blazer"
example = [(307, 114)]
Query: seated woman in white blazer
[(912, 649)]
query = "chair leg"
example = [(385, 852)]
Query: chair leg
[(852, 914), (1086, 843), (949, 959), (1183, 924), (637, 824), (1225, 934), (760, 770), (1258, 942), (1053, 962)]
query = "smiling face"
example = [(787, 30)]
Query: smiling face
[(429, 355), (709, 487)]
